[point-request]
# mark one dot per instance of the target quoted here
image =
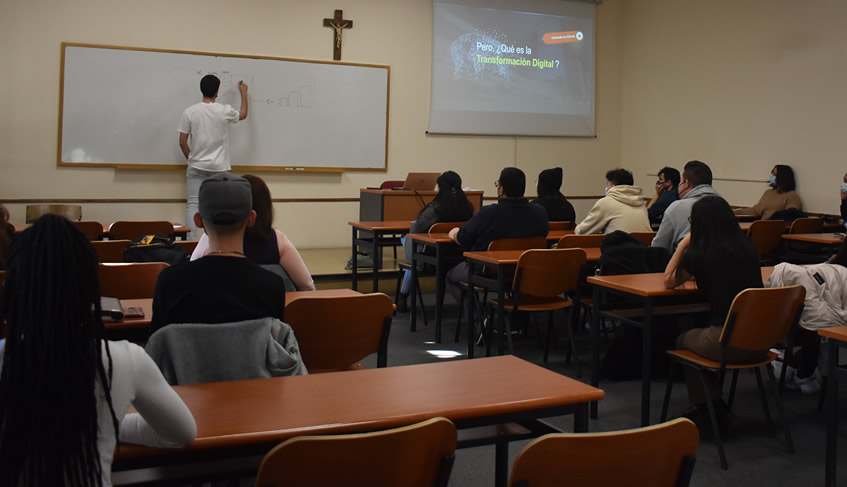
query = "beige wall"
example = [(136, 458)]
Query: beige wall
[(740, 85), (392, 32)]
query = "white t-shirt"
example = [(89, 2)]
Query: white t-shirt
[(162, 420), (208, 127)]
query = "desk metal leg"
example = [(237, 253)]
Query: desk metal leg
[(440, 276), (646, 348), (831, 412), (501, 463), (501, 314), (595, 345), (377, 261), (580, 418), (413, 289), (355, 261), (470, 318)]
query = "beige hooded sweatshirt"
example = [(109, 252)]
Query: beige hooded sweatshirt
[(623, 208)]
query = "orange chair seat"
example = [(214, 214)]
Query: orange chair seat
[(689, 356)]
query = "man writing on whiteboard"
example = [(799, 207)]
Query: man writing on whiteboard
[(207, 125)]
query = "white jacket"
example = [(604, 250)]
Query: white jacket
[(623, 208), (826, 301)]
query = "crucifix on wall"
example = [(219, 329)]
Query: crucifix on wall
[(338, 24)]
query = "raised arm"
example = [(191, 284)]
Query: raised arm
[(242, 87), (674, 274)]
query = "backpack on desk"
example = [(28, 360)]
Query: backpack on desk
[(155, 248)]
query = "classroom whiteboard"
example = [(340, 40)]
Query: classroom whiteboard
[(120, 107)]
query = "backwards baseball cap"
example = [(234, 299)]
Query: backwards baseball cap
[(225, 198)]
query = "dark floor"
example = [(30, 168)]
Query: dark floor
[(754, 457)]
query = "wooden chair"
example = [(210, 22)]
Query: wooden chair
[(130, 230), (188, 245), (525, 243), (420, 455), (561, 225), (335, 333), (580, 241), (405, 266), (71, 212), (110, 250), (757, 320), (644, 237), (542, 278), (661, 455), (806, 225), (130, 281), (92, 230), (767, 237)]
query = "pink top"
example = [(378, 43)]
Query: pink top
[(289, 259)]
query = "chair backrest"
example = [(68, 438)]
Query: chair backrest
[(581, 241), (548, 272), (661, 455), (71, 212), (187, 245), (420, 455), (445, 227), (518, 243), (110, 250), (130, 281), (644, 237), (766, 235), (759, 318), (806, 225), (130, 230), (92, 230), (392, 184), (336, 332), (561, 225)]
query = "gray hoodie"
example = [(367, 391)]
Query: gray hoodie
[(675, 225)]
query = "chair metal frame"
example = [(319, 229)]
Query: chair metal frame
[(757, 319)]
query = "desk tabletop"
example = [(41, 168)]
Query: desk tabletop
[(836, 333), (259, 411), (382, 226), (818, 238), (510, 257), (441, 238), (652, 284), (146, 305)]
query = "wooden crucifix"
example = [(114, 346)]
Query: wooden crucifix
[(338, 24)]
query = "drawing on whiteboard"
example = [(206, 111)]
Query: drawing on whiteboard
[(302, 97)]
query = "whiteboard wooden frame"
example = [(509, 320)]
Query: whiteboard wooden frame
[(263, 168)]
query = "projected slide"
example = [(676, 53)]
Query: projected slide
[(494, 69)]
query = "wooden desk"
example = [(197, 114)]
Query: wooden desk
[(835, 374), (180, 230), (370, 236), (834, 239), (249, 417), (646, 288), (137, 329), (389, 204)]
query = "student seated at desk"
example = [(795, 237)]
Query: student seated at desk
[(724, 262), (449, 205), (264, 244), (780, 196), (224, 286), (623, 208), (550, 196), (64, 391)]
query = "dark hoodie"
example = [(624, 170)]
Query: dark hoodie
[(558, 208)]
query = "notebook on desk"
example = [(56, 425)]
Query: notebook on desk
[(420, 181)]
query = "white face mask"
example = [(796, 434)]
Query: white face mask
[(843, 187), (605, 191), (772, 180)]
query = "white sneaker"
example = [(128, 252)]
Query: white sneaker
[(808, 385)]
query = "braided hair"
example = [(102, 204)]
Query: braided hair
[(53, 358)]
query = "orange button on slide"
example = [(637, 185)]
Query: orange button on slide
[(562, 37)]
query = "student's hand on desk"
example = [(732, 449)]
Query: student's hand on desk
[(453, 233)]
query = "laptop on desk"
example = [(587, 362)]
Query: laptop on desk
[(421, 181)]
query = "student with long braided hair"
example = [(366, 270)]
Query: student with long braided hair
[(64, 390)]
